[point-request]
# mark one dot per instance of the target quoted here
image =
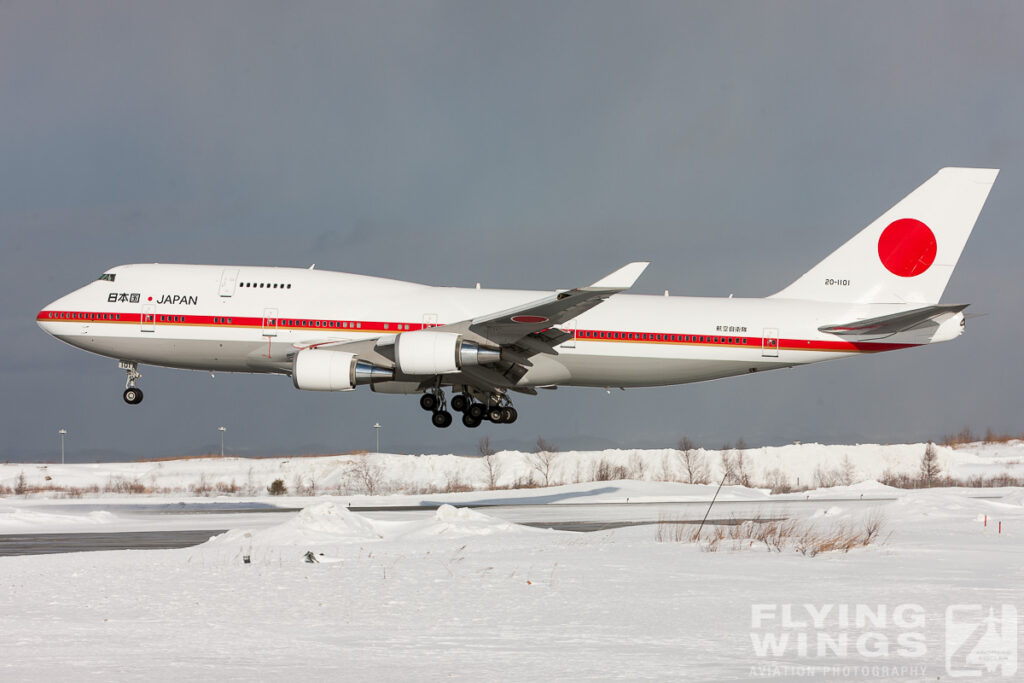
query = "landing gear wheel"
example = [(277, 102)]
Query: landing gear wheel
[(460, 402), (133, 396), (429, 402), (494, 415), (470, 421), (508, 415), (441, 418), (476, 411)]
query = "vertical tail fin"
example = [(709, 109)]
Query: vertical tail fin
[(908, 254)]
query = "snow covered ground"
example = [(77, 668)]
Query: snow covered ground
[(460, 594)]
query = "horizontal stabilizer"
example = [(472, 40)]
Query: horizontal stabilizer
[(896, 322)]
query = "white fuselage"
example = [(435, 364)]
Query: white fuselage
[(253, 319)]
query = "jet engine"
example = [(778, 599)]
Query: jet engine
[(324, 370), (427, 352)]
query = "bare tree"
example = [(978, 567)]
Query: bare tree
[(825, 478), (369, 475), (777, 481), (693, 462), (930, 468), (543, 459), (729, 474), (848, 473), (637, 466), (491, 464), (742, 470)]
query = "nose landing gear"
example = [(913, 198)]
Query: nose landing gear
[(132, 394)]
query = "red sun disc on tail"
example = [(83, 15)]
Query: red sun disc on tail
[(529, 319), (907, 247)]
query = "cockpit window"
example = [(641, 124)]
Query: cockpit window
[(109, 277)]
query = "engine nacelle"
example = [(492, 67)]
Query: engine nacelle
[(428, 352), (323, 370)]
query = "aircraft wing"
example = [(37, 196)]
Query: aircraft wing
[(512, 325), (520, 332), (895, 322)]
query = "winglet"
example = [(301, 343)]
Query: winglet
[(623, 278)]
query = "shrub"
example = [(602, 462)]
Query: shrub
[(606, 471), (277, 488), (123, 485)]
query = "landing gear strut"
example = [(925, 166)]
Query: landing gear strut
[(132, 394)]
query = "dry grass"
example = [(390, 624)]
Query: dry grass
[(966, 436), (124, 485), (914, 480), (776, 535)]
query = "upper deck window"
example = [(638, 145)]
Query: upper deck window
[(109, 277)]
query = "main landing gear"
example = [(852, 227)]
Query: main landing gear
[(498, 409), (434, 402), (132, 394)]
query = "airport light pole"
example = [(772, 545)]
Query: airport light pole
[(222, 430), (63, 432), (376, 427)]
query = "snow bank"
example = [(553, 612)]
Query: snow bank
[(20, 520), (799, 465)]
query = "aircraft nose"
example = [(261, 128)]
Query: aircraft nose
[(49, 318)]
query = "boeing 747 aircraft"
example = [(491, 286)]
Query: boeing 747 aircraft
[(333, 331)]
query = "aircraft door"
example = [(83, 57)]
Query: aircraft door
[(270, 322), (571, 328), (228, 281), (430, 320), (770, 343), (148, 318)]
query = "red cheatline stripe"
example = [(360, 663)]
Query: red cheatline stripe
[(376, 326)]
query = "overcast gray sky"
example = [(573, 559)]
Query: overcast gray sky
[(520, 144)]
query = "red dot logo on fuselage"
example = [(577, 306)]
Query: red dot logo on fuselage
[(907, 247)]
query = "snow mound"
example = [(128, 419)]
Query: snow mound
[(325, 523), (14, 519), (1014, 498), (450, 521)]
